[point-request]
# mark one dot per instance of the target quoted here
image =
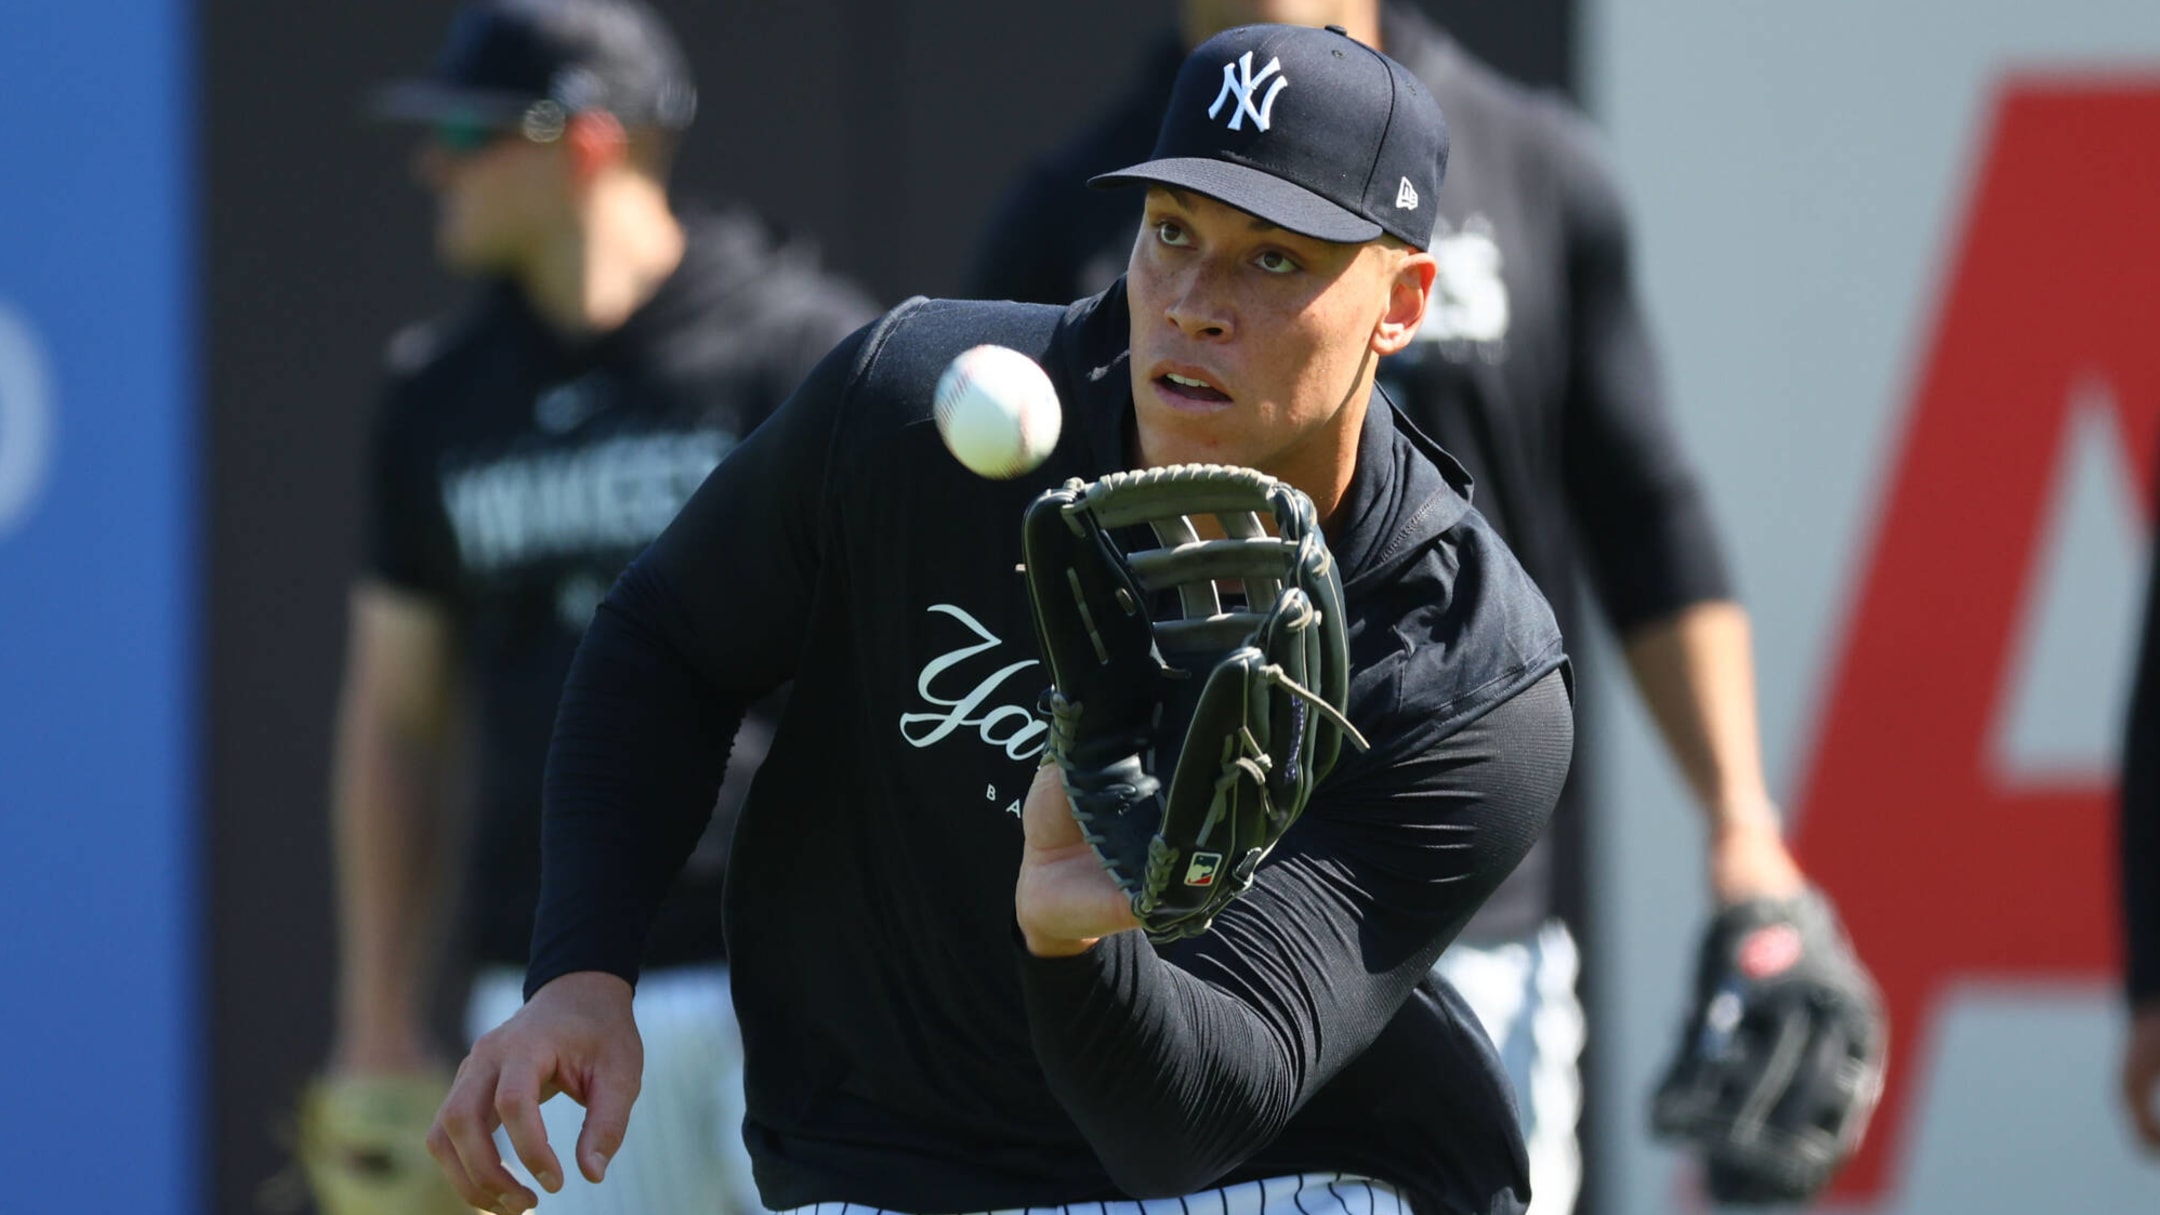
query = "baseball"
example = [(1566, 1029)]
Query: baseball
[(997, 412)]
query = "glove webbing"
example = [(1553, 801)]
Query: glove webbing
[(1167, 500)]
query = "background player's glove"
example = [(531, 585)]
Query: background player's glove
[(361, 1145), (1781, 1058), (1189, 731)]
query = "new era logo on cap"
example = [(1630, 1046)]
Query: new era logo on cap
[(1238, 81), (1307, 129)]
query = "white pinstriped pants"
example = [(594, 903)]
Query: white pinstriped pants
[(1524, 995), (684, 1153), (1305, 1194)]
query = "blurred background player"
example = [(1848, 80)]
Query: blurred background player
[(527, 449), (2141, 882), (1534, 368)]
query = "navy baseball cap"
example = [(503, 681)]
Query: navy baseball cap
[(510, 62), (1308, 129)]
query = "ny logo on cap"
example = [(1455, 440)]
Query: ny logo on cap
[(1238, 80)]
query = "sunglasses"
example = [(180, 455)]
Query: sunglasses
[(465, 135)]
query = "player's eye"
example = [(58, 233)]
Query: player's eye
[(1275, 261), (1169, 232)]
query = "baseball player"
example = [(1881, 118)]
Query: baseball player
[(2141, 883), (1534, 368), (945, 1003), (525, 451)]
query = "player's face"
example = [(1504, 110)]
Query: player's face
[(494, 202), (1249, 342)]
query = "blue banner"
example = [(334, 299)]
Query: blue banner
[(99, 949)]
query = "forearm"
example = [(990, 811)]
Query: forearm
[(1172, 1082), (641, 742), (1179, 1066), (389, 838), (1695, 670), (707, 621)]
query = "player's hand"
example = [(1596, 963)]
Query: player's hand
[(1749, 859), (1065, 899), (576, 1036), (2141, 1074)]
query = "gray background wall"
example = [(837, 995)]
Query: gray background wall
[(882, 128), (1804, 179)]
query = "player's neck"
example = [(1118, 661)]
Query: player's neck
[(609, 264)]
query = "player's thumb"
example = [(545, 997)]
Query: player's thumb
[(613, 1089)]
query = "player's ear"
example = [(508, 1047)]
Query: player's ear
[(1410, 289), (596, 141)]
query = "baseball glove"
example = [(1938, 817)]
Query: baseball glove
[(360, 1144), (1189, 731), (1781, 1059)]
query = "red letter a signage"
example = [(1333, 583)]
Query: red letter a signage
[(1943, 873)]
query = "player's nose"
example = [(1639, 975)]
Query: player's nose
[(1200, 306)]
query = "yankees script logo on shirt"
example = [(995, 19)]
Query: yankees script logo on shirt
[(1012, 727), (1238, 81)]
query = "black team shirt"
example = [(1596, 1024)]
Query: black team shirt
[(1533, 368), (904, 1051), (514, 475)]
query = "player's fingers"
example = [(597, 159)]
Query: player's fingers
[(610, 1092), (517, 1104), (469, 1120), (462, 1140), (446, 1158)]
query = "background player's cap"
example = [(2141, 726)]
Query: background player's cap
[(1308, 129), (511, 62)]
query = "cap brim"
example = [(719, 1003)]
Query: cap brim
[(1285, 204), (434, 101)]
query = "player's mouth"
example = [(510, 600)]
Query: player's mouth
[(1189, 388)]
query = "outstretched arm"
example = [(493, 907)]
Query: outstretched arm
[(1179, 1065), (660, 683)]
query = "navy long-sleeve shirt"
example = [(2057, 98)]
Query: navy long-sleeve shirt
[(903, 1051)]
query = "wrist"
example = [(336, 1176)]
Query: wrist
[(1747, 811), (1748, 859), (1043, 946), (586, 987)]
